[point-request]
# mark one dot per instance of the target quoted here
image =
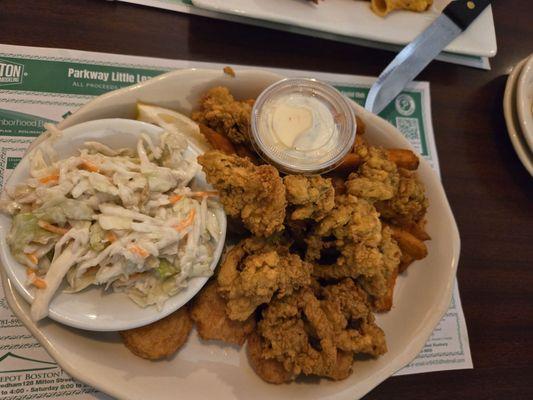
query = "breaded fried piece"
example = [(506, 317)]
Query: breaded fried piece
[(297, 333), (315, 332), (377, 178), (409, 204), (352, 219), (209, 313), (356, 259), (380, 285), (220, 111), (374, 267), (256, 194), (311, 196), (349, 312), (255, 271), (269, 370), (160, 339)]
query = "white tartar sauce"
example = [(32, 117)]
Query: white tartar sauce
[(299, 122)]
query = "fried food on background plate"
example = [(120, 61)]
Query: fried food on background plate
[(315, 334), (209, 314), (160, 339), (256, 194), (220, 111), (311, 197), (255, 271)]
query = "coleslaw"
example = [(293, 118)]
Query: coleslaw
[(129, 220)]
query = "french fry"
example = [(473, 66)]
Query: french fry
[(385, 303), (361, 127), (243, 151), (403, 158), (218, 141), (409, 243), (349, 164), (405, 260), (418, 230)]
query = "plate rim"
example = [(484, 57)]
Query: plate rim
[(522, 108), (432, 317), (511, 118)]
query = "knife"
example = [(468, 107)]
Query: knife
[(409, 62)]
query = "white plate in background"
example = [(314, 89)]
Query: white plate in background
[(354, 18), (203, 370), (524, 101), (524, 153)]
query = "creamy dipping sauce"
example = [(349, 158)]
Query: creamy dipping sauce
[(302, 126), (299, 122)]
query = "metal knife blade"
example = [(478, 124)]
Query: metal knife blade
[(420, 52)]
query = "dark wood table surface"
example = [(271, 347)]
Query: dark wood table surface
[(490, 192)]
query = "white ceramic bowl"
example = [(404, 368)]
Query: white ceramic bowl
[(95, 309), (203, 370), (524, 101)]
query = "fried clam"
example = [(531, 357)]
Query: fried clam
[(209, 314), (315, 334), (257, 270), (374, 267), (309, 197), (255, 194), (409, 204), (351, 219), (351, 242), (377, 178), (220, 111), (160, 339)]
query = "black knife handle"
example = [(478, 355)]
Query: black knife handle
[(464, 12)]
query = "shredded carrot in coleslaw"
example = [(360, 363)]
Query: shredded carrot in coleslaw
[(52, 228), (186, 222)]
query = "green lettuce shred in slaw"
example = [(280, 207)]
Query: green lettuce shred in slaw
[(126, 220)]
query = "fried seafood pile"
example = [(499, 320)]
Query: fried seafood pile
[(320, 255)]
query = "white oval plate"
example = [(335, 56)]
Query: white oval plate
[(525, 155), (524, 101), (203, 370), (355, 19), (95, 309)]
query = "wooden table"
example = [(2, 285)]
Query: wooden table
[(490, 192)]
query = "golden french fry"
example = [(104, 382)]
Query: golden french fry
[(418, 230), (243, 151), (385, 303), (405, 260), (361, 127), (218, 141), (349, 164), (403, 158), (409, 243)]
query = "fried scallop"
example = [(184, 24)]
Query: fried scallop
[(160, 339), (209, 313)]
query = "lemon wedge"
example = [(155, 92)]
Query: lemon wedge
[(173, 121)]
